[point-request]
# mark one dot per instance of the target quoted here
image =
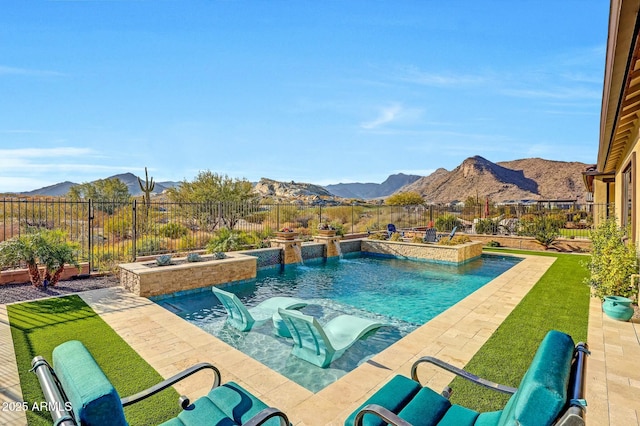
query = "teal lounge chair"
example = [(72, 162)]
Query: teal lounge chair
[(245, 319), (78, 393), (550, 393), (322, 345)]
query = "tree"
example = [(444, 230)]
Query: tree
[(24, 248), (107, 193), (404, 199), (228, 195)]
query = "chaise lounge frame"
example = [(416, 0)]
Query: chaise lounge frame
[(573, 415), (59, 405)]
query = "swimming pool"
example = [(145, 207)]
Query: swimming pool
[(401, 293)]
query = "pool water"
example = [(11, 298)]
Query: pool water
[(403, 294)]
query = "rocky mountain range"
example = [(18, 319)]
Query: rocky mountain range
[(368, 191), (525, 179)]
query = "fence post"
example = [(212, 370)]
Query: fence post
[(90, 244), (277, 217), (134, 232), (352, 218)]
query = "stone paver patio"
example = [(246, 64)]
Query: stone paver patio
[(170, 344)]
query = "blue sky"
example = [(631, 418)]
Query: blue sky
[(312, 91)]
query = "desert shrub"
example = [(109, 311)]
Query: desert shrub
[(493, 244), (613, 261), (173, 230), (458, 239), (226, 239), (487, 226), (187, 242), (545, 229), (446, 222), (378, 236), (417, 239), (396, 236), (149, 246)]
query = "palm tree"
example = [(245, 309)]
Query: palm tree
[(23, 249), (55, 253)]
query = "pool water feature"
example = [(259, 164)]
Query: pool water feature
[(402, 294)]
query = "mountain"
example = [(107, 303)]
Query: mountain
[(57, 190), (372, 190), (531, 178), (285, 191), (129, 179)]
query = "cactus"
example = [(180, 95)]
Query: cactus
[(147, 187)]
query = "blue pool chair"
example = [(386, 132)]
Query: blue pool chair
[(78, 393), (550, 393), (391, 229), (245, 319), (431, 236), (322, 345)]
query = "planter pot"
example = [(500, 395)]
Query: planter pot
[(617, 307), (286, 235), (327, 232)]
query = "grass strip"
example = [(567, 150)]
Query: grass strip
[(558, 301), (38, 327)]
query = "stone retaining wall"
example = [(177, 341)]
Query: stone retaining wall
[(453, 254), (145, 280)]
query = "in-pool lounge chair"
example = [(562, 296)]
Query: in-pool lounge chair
[(322, 345), (77, 392), (245, 319), (550, 393)]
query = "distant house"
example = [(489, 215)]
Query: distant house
[(614, 177)]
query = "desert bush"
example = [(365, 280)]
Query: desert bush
[(613, 261), (226, 239), (458, 239), (396, 236), (378, 236), (446, 222), (173, 230), (487, 226)]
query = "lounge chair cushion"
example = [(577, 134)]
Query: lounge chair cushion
[(393, 396), (229, 404), (94, 399), (543, 390), (460, 416), (425, 409)]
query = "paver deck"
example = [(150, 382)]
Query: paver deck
[(171, 344)]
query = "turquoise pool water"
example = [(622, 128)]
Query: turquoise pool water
[(401, 293)]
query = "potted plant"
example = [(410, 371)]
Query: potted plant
[(612, 266), (286, 234), (326, 229)]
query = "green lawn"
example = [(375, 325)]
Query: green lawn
[(38, 327), (558, 301)]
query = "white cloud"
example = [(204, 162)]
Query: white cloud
[(5, 70), (414, 75), (385, 116)]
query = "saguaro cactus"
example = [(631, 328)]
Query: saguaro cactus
[(147, 187)]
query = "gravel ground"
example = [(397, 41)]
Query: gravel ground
[(10, 293)]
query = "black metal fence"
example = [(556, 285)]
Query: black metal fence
[(109, 233)]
